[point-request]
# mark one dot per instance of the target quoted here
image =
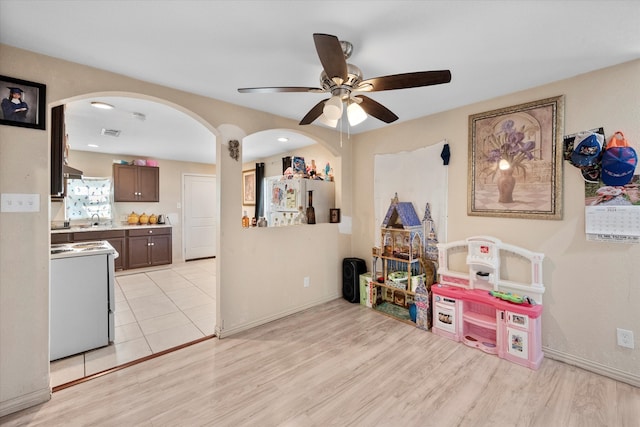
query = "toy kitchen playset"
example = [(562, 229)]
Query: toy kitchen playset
[(481, 309)]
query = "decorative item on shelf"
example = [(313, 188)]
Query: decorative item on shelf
[(262, 222), (311, 213), (334, 216), (234, 149), (133, 218), (153, 163), (153, 219), (140, 162), (299, 166), (301, 217), (144, 218), (161, 219), (245, 220)]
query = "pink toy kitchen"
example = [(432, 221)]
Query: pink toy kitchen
[(489, 297)]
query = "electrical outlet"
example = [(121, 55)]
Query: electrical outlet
[(306, 282), (625, 338)]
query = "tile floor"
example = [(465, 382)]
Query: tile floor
[(155, 310)]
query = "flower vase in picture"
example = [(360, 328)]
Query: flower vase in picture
[(506, 184)]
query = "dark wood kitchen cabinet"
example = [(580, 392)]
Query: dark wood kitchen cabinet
[(57, 152), (116, 238), (133, 183), (148, 247)]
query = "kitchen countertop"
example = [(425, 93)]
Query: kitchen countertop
[(85, 228)]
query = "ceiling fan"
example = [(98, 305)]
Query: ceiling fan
[(344, 82)]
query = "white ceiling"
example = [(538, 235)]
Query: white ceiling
[(214, 47)]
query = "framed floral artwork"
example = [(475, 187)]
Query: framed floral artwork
[(515, 161)]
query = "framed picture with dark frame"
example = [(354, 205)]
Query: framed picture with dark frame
[(23, 103), (334, 215), (515, 161), (249, 187)]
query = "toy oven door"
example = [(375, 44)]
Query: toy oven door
[(444, 317)]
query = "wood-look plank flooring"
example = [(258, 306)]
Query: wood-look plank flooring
[(338, 364)]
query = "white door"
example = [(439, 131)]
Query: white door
[(200, 207)]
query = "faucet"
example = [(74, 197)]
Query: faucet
[(97, 221)]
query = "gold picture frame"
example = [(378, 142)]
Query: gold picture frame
[(515, 161), (249, 187)]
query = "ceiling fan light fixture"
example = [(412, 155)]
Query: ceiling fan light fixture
[(329, 122), (333, 108), (355, 114), (283, 139)]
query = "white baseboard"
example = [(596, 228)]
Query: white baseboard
[(25, 401), (223, 333), (595, 367)]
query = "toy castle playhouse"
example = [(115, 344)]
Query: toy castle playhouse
[(490, 297), (401, 289)]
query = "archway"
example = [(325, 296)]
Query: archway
[(160, 314)]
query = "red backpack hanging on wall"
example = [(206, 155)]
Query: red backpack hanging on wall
[(619, 161)]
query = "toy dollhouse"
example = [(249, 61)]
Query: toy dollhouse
[(402, 239), (474, 304)]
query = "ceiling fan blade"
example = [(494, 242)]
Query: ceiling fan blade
[(280, 89), (376, 109), (331, 56), (314, 113), (405, 80)]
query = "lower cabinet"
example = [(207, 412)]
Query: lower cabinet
[(148, 247), (116, 238), (137, 248)]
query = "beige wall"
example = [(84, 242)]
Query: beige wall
[(24, 245), (592, 288)]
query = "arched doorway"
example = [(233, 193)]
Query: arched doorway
[(160, 307)]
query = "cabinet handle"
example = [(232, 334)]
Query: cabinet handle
[(150, 231), (152, 244)]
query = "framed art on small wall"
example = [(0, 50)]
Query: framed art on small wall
[(334, 215), (23, 103)]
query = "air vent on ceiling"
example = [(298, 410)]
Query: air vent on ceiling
[(110, 132)]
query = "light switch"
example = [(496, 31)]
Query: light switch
[(13, 202)]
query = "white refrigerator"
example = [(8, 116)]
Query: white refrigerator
[(284, 196)]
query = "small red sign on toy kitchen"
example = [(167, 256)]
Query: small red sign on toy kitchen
[(484, 249)]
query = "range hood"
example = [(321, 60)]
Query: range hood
[(71, 173)]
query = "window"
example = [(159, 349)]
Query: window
[(89, 196)]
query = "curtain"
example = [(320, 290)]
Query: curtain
[(259, 211), (88, 196)]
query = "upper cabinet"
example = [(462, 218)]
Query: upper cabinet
[(57, 151), (133, 183)]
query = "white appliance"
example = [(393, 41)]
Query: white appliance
[(82, 297), (283, 197)]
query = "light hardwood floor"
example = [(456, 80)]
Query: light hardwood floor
[(338, 364)]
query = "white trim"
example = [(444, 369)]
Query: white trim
[(595, 367), (25, 401), (246, 326)]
